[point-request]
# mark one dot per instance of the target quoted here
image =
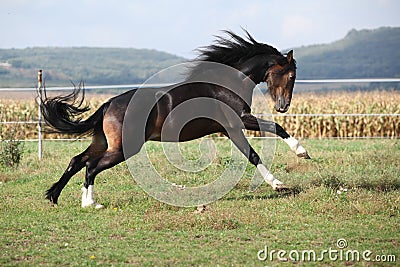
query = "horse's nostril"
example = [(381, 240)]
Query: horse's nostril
[(281, 103)]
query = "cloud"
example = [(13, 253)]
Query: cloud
[(180, 26)]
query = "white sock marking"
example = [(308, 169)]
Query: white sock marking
[(295, 145), (88, 198), (268, 177)]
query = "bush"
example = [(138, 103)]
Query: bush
[(11, 149)]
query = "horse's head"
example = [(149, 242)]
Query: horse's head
[(257, 61), (280, 79), (278, 71)]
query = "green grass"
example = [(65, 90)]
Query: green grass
[(135, 229)]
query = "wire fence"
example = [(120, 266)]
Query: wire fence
[(132, 86)]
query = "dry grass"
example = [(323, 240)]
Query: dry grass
[(375, 102)]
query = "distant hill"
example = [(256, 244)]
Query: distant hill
[(95, 66), (360, 54)]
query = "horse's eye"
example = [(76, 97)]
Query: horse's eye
[(292, 77)]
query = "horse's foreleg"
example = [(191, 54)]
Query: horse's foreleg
[(243, 145), (94, 167), (292, 142), (296, 147), (255, 124)]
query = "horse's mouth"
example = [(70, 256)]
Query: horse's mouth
[(282, 110)]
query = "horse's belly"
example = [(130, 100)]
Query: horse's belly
[(191, 130)]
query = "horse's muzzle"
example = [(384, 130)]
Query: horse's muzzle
[(281, 105), (282, 110)]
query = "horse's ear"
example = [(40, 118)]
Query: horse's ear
[(290, 56)]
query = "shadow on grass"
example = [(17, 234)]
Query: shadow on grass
[(292, 192), (332, 182), (381, 185)]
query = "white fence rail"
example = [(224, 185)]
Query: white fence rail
[(131, 86)]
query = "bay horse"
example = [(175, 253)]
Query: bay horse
[(121, 126)]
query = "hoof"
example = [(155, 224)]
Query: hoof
[(53, 204), (52, 199), (94, 205), (281, 188), (200, 209), (98, 206), (304, 155)]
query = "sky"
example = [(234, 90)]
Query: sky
[(179, 26)]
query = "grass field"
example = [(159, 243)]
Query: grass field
[(135, 229)]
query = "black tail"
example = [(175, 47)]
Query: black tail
[(63, 113)]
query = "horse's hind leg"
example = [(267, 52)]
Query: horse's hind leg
[(94, 167), (111, 157), (76, 164)]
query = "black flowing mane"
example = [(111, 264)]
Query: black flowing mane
[(234, 50), (244, 54)]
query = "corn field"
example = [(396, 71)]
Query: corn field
[(374, 102), (323, 126)]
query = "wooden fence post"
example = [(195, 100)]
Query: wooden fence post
[(40, 137)]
